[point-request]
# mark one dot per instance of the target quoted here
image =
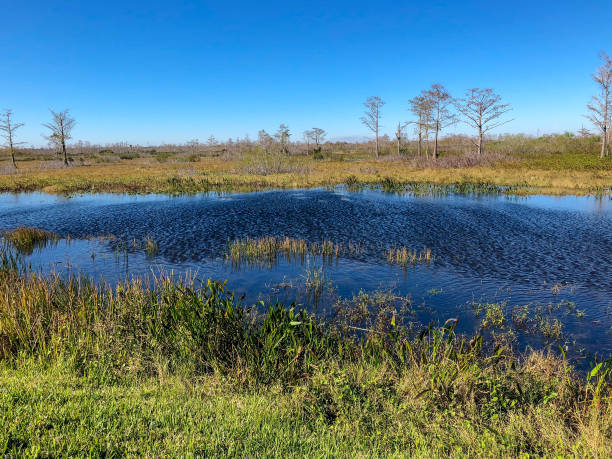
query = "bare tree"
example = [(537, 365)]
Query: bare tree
[(442, 117), (318, 135), (212, 142), (482, 110), (372, 117), (422, 108), (308, 137), (8, 127), (264, 140), (600, 108), (398, 136), (282, 135), (61, 130), (193, 145), (584, 132)]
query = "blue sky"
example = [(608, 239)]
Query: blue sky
[(169, 71)]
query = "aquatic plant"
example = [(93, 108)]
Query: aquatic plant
[(494, 313), (390, 185), (550, 328), (403, 256), (266, 250), (317, 282), (377, 312), (353, 183), (25, 239), (151, 247)]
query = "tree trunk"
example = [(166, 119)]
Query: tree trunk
[(480, 142), (65, 154), (420, 147), (13, 158), (604, 144), (399, 137), (377, 151), (435, 152)]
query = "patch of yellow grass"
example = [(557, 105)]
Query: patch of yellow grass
[(144, 176)]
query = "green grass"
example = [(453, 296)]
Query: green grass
[(570, 161), (317, 283), (175, 368), (353, 410)]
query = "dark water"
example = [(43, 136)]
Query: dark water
[(536, 251)]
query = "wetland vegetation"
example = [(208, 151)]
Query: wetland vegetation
[(556, 172), (327, 346), (337, 340), (164, 357), (26, 239)]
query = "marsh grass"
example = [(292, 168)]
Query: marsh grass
[(528, 174), (26, 239), (403, 256), (151, 247), (317, 283), (266, 251)]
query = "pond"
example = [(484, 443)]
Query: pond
[(539, 267)]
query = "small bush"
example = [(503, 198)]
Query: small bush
[(163, 156), (260, 162), (129, 156)]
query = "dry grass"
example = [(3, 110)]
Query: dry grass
[(144, 175)]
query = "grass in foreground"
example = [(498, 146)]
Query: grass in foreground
[(177, 369)]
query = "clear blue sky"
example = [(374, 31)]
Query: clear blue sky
[(154, 71)]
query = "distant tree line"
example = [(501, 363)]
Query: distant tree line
[(434, 110), (481, 109)]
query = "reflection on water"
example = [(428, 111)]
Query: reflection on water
[(537, 251)]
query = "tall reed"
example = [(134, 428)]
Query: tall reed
[(403, 256), (267, 250)]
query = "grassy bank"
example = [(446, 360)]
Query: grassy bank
[(176, 368), (525, 174)]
